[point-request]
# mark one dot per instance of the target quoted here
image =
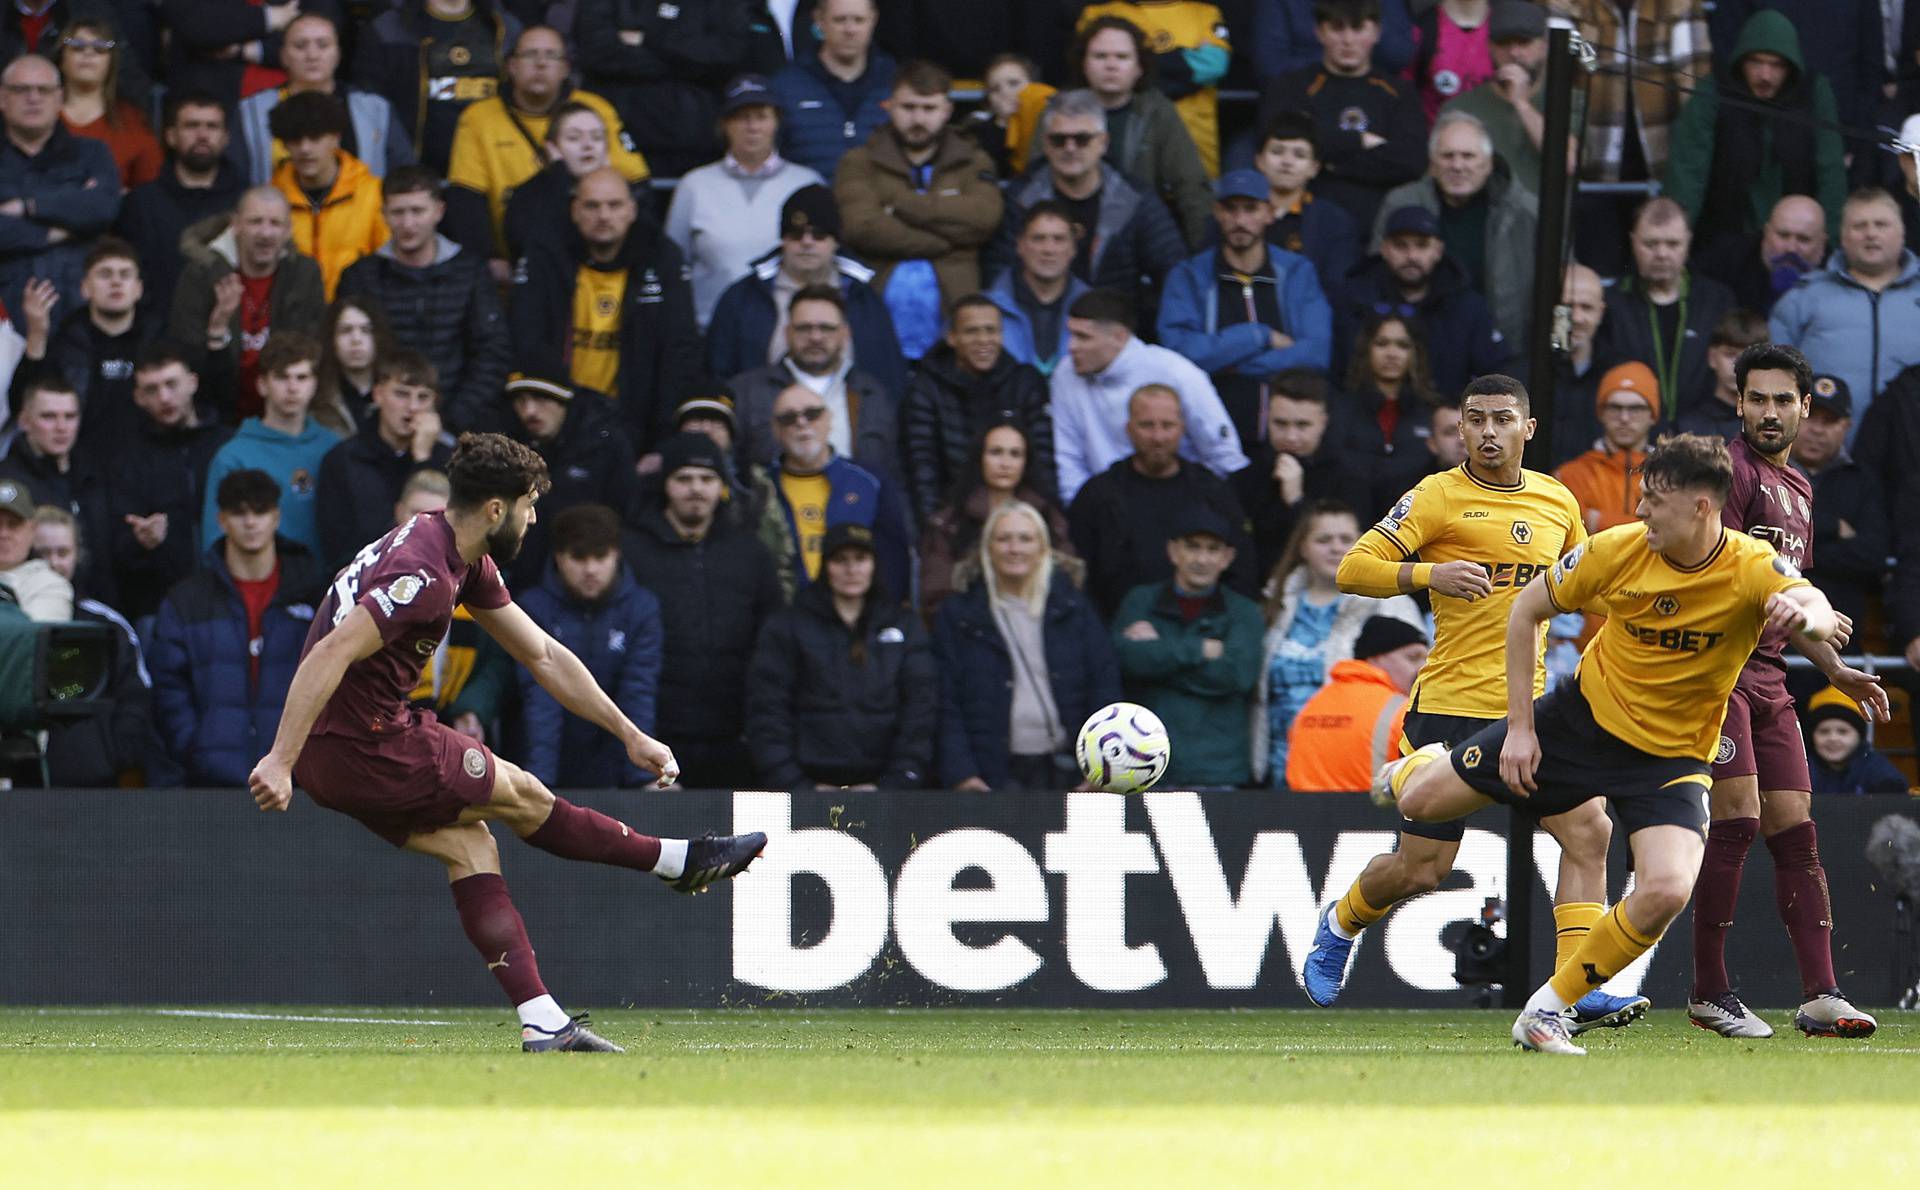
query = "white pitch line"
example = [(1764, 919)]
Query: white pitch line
[(281, 1016)]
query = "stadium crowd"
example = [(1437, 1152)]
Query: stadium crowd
[(897, 435)]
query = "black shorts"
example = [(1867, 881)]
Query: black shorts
[(1580, 760), (1428, 727)]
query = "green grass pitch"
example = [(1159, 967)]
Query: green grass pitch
[(912, 1100)]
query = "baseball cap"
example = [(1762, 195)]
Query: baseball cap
[(688, 449), (1831, 394), (1200, 520), (746, 90), (16, 499), (1634, 377), (1516, 19), (1242, 183), (1411, 221), (811, 206), (846, 535)]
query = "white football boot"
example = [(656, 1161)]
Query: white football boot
[(1543, 1032), (1728, 1017), (1830, 1015)]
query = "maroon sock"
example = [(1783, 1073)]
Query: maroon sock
[(1714, 895), (1800, 892), (575, 832), (494, 927)]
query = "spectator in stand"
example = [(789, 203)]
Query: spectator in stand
[(1846, 41), (1855, 318), (90, 66), (663, 68), (438, 299), (62, 189), (355, 339), (717, 587), (1284, 38), (589, 602), (361, 478), (961, 388), (1189, 652), (1452, 52), (1316, 228), (1121, 519), (1001, 468), (1736, 331), (1663, 312), (724, 213), (310, 52), (1606, 480), (1390, 403), (1839, 758), (866, 416), (1299, 465), (1146, 139), (196, 183), (1791, 245), (832, 100), (1035, 293), (1485, 219), (842, 691), (283, 442), (243, 281), (749, 326), (433, 59), (709, 410), (96, 344), (917, 201), (577, 143), (1351, 726), (1851, 536), (1447, 443), (224, 47), (1413, 275), (969, 39), (1024, 660), (154, 488), (1311, 626), (228, 638), (589, 460), (1578, 372), (1191, 56), (1110, 367), (43, 26), (1512, 103), (1372, 131), (333, 198), (496, 145), (1003, 125), (605, 303), (29, 582), (57, 476)]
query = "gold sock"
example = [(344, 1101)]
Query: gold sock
[(1606, 951), (1572, 922), (1411, 765), (1354, 913)]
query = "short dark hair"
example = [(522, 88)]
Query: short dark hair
[(308, 115), (1683, 461), (1738, 327), (109, 248), (829, 294), (1077, 56), (45, 380), (1292, 125), (1493, 384), (287, 349), (1046, 208), (571, 107), (1300, 384), (1782, 357), (493, 466), (922, 78), (586, 531), (1346, 12), (405, 366), (411, 179), (159, 353), (179, 101), (1103, 305), (247, 490), (972, 301)]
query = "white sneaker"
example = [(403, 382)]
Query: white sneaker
[(1545, 1032), (1728, 1017), (1382, 791), (1830, 1015)]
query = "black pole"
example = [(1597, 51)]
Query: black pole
[(1549, 244)]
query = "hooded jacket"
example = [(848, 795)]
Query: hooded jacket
[(1016, 329), (158, 470), (948, 407), (822, 117), (1844, 41), (379, 142), (343, 227), (154, 217), (1462, 341), (1190, 318), (888, 219), (1863, 337), (741, 329), (617, 637), (1090, 414), (1511, 217), (293, 460), (298, 301)]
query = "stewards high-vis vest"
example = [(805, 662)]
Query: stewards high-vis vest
[(1347, 730)]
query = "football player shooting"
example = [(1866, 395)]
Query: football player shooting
[(1686, 600), (356, 747)]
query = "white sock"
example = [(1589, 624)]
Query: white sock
[(544, 1012), (1333, 924), (1546, 1000), (672, 863)]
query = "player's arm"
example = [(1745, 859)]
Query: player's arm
[(1381, 564), (1520, 756), (562, 675), (353, 639), (1804, 612), (1862, 687)]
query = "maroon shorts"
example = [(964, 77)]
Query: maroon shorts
[(401, 784), (1761, 737)]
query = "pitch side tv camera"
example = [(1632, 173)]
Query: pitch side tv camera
[(1479, 954), (50, 673)]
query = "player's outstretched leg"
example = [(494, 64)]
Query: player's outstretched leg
[(1800, 895), (1416, 865)]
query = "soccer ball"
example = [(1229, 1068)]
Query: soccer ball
[(1123, 748)]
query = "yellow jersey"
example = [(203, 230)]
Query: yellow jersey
[(495, 148), (1514, 533), (807, 495), (597, 298), (1660, 669)]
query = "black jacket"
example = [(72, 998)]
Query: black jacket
[(81, 490), (1886, 444), (1850, 570), (1462, 341), (390, 58), (1391, 466), (93, 752), (949, 407), (537, 206), (201, 31), (1627, 334), (589, 462), (153, 216), (159, 471), (1344, 110), (1325, 475), (1120, 522), (833, 705), (360, 481), (659, 339), (100, 368), (448, 310)]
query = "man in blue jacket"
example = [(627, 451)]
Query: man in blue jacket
[(830, 102), (1246, 309), (1412, 275), (61, 190)]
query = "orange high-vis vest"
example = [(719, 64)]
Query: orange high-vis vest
[(1348, 729)]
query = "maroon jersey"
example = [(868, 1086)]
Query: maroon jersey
[(1774, 504), (409, 581)]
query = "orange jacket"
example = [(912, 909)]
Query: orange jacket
[(1349, 728), (1607, 483), (345, 227)]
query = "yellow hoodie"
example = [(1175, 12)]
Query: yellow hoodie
[(345, 226)]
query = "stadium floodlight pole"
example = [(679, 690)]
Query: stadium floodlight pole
[(1546, 338)]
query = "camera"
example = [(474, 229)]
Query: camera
[(1479, 954)]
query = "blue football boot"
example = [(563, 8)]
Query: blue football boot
[(1327, 963), (1598, 1010)]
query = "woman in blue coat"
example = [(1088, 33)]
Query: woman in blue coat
[(1023, 661)]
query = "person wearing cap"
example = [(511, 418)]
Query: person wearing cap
[(589, 458), (1246, 310), (1838, 755), (1606, 479), (1413, 274), (1189, 651), (832, 100), (438, 299), (1349, 728), (1148, 141), (1664, 312), (843, 692), (725, 214), (1511, 103), (433, 59), (1851, 535), (749, 325), (40, 590), (717, 585)]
